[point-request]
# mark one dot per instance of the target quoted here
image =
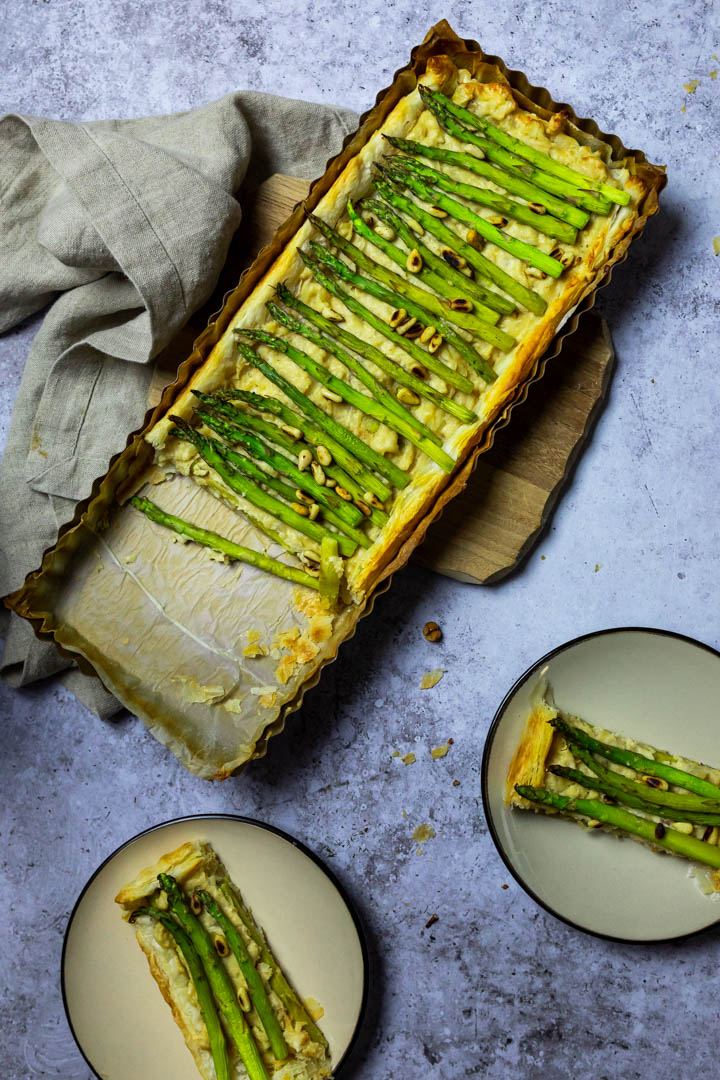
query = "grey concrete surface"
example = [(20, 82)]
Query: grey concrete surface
[(497, 988)]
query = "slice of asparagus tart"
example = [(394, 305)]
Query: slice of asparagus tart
[(608, 781), (239, 1015)]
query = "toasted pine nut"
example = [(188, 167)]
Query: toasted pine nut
[(427, 333), (314, 511), (437, 211), (435, 343), (293, 432), (407, 397), (318, 473), (362, 507), (538, 208), (343, 493), (460, 304), (414, 262), (300, 509), (303, 497), (323, 455), (330, 395), (304, 459), (452, 259), (399, 315)]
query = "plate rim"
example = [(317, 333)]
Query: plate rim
[(485, 766), (342, 891)]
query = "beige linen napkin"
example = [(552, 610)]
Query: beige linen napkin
[(124, 225)]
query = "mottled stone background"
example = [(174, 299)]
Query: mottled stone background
[(496, 988)]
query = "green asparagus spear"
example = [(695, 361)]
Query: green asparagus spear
[(220, 543), (688, 846), (672, 799), (218, 978), (594, 783), (525, 252), (516, 185), (461, 284), (373, 288), (529, 153), (256, 987), (426, 274), (309, 330), (244, 477), (314, 435), (543, 223), (335, 511), (341, 513), (638, 762), (356, 451), (274, 434), (278, 982), (412, 429), (516, 166), (365, 404), (387, 188), (397, 372), (401, 293)]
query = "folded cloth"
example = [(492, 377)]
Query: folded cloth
[(125, 225)]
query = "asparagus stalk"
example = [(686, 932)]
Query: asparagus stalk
[(632, 760), (313, 434), (341, 514), (206, 1002), (529, 153), (330, 571), (543, 223), (353, 397), (380, 292), (403, 293), (244, 477), (329, 344), (594, 783), (516, 185), (413, 431), (218, 978), (461, 283), (515, 166), (426, 273), (658, 798), (256, 987), (355, 451), (400, 375), (688, 846), (511, 163), (525, 252), (346, 513), (221, 543), (368, 351), (479, 262), (278, 983), (273, 434)]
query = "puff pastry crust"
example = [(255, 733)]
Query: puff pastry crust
[(195, 865)]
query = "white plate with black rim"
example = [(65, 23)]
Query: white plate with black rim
[(651, 685), (116, 1013)]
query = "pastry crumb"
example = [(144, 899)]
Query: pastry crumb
[(395, 753), (232, 705), (196, 693), (409, 759), (314, 1008), (423, 832), (130, 558), (598, 566), (431, 678), (691, 86), (716, 245), (440, 751)]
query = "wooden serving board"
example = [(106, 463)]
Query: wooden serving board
[(490, 527)]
